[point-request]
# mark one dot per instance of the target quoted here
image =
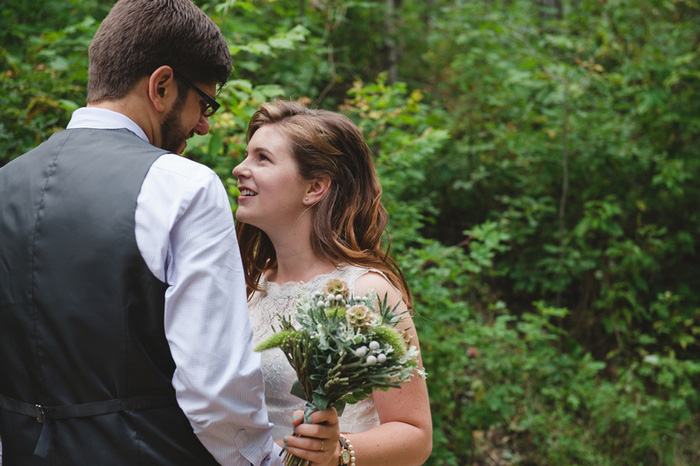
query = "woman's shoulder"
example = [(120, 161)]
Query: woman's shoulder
[(351, 274), (366, 280)]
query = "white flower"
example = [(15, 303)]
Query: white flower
[(361, 351), (381, 358), (374, 345), (412, 353), (371, 360)]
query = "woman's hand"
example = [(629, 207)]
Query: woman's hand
[(317, 441)]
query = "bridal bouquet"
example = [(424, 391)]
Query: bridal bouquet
[(343, 349)]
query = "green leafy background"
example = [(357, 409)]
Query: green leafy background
[(540, 162)]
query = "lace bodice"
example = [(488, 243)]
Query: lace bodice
[(264, 308)]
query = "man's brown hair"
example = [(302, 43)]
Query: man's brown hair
[(138, 36)]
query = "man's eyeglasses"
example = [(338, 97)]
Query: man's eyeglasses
[(209, 106)]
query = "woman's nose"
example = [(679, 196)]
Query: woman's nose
[(240, 171)]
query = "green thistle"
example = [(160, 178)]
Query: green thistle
[(277, 340), (336, 311), (390, 337)]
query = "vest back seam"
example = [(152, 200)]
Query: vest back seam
[(35, 317)]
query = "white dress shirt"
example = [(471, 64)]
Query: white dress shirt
[(185, 233)]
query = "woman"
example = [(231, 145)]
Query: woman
[(309, 210)]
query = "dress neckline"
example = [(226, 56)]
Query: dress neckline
[(266, 284)]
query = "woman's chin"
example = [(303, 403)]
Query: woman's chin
[(243, 217)]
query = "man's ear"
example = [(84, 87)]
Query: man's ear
[(162, 89), (316, 190)]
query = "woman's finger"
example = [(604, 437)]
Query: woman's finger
[(307, 443), (297, 417), (319, 431), (329, 416), (318, 451)]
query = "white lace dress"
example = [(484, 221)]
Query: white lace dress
[(264, 308)]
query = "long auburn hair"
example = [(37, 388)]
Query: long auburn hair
[(349, 221)]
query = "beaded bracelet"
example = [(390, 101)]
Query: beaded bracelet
[(345, 443)]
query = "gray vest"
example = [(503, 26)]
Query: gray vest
[(85, 368)]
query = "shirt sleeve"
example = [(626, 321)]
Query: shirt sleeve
[(185, 232)]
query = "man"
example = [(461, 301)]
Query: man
[(124, 336)]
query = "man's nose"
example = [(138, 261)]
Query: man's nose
[(202, 127)]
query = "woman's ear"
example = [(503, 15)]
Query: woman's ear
[(162, 89), (316, 190)]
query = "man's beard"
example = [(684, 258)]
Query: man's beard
[(171, 132)]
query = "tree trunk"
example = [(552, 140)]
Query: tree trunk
[(392, 41), (551, 9)]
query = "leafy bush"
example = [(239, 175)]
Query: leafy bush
[(41, 84), (515, 384)]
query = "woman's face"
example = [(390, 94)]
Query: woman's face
[(272, 191)]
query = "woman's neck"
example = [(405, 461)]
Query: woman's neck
[(298, 266), (298, 272), (296, 262)]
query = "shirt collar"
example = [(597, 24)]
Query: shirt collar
[(101, 118)]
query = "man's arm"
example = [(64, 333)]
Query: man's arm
[(186, 235)]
